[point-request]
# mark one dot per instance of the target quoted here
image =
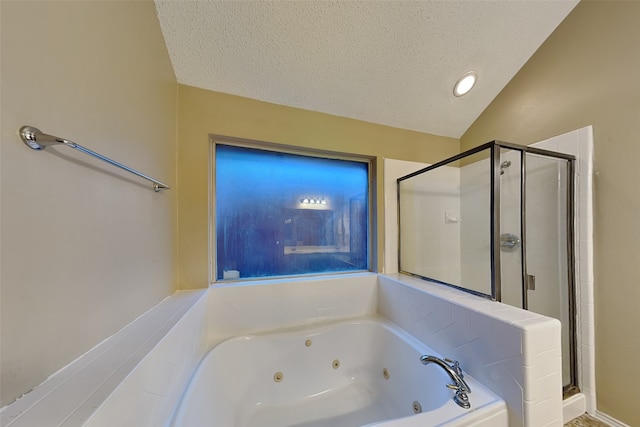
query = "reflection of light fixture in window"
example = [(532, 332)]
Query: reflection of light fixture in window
[(313, 201)]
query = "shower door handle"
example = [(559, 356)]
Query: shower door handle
[(531, 282)]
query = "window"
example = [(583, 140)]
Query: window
[(282, 214)]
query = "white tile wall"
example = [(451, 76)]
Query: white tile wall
[(70, 397), (149, 393), (513, 352), (137, 377), (263, 305)]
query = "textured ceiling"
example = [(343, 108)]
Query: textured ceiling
[(387, 62)]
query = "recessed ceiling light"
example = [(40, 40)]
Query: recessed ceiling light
[(465, 83)]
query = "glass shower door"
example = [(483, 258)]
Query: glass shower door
[(497, 221), (547, 266)]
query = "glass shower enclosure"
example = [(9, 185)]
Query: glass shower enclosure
[(497, 221)]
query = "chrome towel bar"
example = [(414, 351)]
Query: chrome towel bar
[(37, 140)]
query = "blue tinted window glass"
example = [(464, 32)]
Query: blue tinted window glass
[(287, 214)]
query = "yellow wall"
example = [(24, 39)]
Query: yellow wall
[(586, 73), (86, 248), (202, 112)]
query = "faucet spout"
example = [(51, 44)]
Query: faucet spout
[(452, 368)]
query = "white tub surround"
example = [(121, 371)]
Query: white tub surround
[(356, 372), (513, 352), (137, 377), (132, 378), (250, 307)]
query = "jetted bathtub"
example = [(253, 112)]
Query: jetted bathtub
[(352, 373)]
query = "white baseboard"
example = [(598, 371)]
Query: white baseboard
[(573, 407), (610, 420)]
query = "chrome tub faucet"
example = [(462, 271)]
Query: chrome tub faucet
[(452, 367)]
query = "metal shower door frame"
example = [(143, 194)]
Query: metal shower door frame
[(571, 388)]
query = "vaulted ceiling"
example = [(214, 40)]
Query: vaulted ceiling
[(388, 62)]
